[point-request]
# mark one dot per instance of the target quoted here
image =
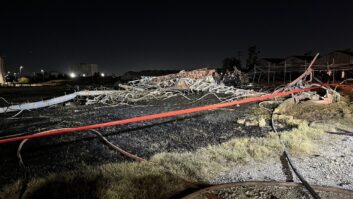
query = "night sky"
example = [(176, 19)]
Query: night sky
[(165, 34)]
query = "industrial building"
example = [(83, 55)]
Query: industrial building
[(83, 69)]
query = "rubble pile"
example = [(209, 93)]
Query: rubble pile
[(200, 80), (204, 80)]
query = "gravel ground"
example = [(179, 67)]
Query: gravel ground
[(267, 190), (331, 165)]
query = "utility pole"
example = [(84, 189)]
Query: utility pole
[(2, 72), (21, 67), (42, 71), (239, 58)]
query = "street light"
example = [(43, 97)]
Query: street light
[(102, 74), (72, 75), (21, 67), (42, 71)]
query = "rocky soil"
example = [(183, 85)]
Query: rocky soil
[(262, 190), (331, 165)]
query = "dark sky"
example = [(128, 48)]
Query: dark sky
[(165, 34)]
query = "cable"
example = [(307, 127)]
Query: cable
[(117, 148), (24, 182), (18, 113), (139, 159), (3, 99), (286, 154)]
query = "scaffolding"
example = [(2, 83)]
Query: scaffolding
[(287, 72)]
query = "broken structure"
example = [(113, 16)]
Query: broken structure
[(333, 67), (150, 88)]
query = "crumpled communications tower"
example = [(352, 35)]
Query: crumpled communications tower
[(2, 71)]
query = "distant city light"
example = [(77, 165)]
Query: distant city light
[(102, 74), (83, 75), (72, 75)]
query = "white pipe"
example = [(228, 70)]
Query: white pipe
[(53, 101)]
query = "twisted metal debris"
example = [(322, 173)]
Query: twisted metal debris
[(150, 88), (161, 88)]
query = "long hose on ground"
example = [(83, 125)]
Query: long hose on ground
[(287, 155), (25, 179)]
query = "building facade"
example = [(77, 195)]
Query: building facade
[(297, 60), (336, 57), (83, 69)]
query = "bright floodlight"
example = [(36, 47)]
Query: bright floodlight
[(72, 75), (102, 74)]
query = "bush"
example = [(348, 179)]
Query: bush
[(24, 80)]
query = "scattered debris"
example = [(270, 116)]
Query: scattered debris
[(262, 122), (193, 74), (149, 88), (241, 121), (251, 123)]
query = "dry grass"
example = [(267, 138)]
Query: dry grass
[(303, 140), (260, 112), (310, 111), (150, 179), (326, 117), (122, 180), (257, 116)]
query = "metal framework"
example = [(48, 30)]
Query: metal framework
[(288, 72)]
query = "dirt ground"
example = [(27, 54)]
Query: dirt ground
[(50, 155), (66, 152)]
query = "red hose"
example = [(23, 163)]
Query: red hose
[(156, 116)]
